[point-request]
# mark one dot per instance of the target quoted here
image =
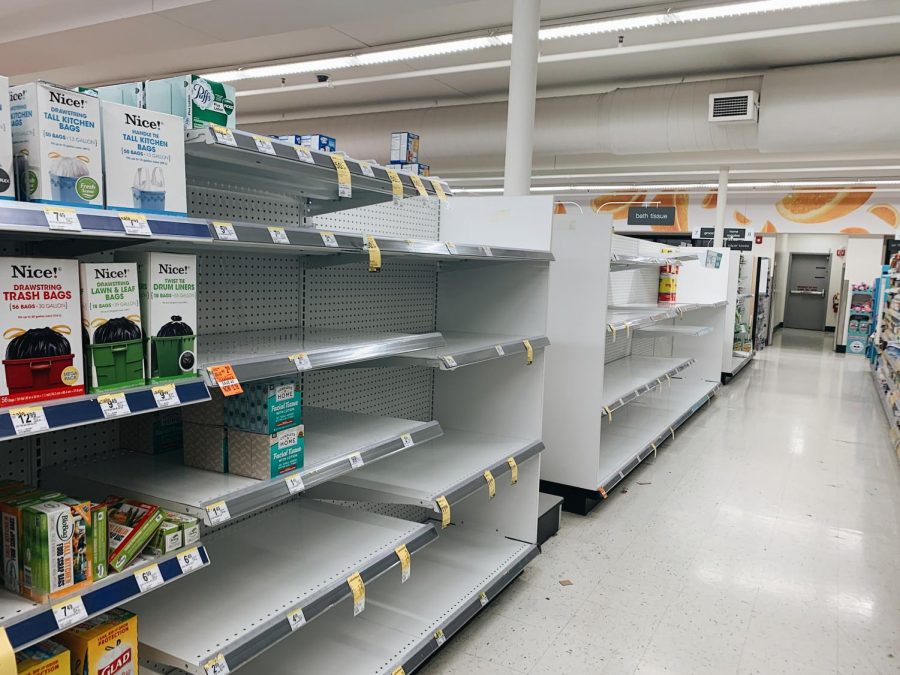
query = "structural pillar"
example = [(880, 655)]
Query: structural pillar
[(721, 203), (522, 89)]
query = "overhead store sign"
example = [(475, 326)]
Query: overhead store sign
[(651, 215)]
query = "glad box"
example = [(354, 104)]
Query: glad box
[(59, 132), (198, 101), (106, 644), (40, 328), (143, 160), (7, 184)]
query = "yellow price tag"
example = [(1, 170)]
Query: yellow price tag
[(403, 553), (514, 468), (444, 506), (374, 254), (343, 176), (419, 185), (396, 185), (529, 352), (7, 656), (439, 637), (358, 588), (439, 189), (398, 671), (491, 483)]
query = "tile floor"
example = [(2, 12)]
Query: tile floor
[(764, 539)]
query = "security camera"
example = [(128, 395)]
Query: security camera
[(322, 77)]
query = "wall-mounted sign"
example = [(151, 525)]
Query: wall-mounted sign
[(704, 233), (651, 215), (739, 244)]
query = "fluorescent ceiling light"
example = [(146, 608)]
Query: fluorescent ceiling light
[(725, 11), (663, 187)]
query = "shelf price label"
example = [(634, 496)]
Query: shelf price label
[(483, 598), (407, 440), (304, 154), (396, 185), (491, 483), (224, 231), (356, 460), (398, 671), (223, 135), (135, 224), (374, 254), (329, 239), (28, 420), (279, 236), (62, 218), (529, 351), (296, 619), (69, 612), (358, 589), (226, 379), (366, 168), (216, 666), (419, 185), (449, 361), (189, 561), (166, 395), (444, 506), (148, 578), (343, 176), (301, 360), (451, 247), (403, 554), (294, 483), (218, 512), (439, 637), (439, 189), (487, 251), (514, 470), (114, 405), (264, 144), (499, 350)]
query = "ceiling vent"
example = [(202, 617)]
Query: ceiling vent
[(734, 106)]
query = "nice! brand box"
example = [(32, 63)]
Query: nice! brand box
[(143, 160), (7, 172), (40, 328), (106, 644), (58, 130)]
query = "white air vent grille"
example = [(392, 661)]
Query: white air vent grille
[(733, 106)]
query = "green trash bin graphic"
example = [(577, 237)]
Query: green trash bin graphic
[(172, 350), (117, 353)]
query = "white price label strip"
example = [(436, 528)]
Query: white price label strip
[(166, 395), (135, 224), (216, 666), (263, 144), (294, 483), (224, 231), (356, 460), (304, 154), (449, 361), (487, 251), (358, 589), (366, 168), (28, 420), (70, 612), (114, 405), (224, 135), (190, 560), (407, 440), (301, 360), (148, 578), (279, 236), (62, 218), (499, 350), (218, 513), (296, 619), (329, 239), (482, 598)]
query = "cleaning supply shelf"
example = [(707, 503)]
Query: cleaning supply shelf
[(452, 466), (636, 431), (625, 318), (620, 261), (659, 330), (27, 623), (264, 354), (336, 443), (73, 412), (456, 251), (297, 556), (631, 377), (451, 581), (464, 349)]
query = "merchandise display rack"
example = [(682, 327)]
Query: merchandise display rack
[(886, 363), (648, 368), (354, 302)]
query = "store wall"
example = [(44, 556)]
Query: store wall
[(808, 243)]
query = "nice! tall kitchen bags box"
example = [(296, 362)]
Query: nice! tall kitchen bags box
[(168, 287), (59, 132), (7, 173), (143, 160), (200, 102), (40, 326)]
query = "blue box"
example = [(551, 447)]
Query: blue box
[(404, 147)]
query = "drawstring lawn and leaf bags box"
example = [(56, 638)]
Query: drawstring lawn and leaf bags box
[(40, 327), (111, 315), (58, 131)]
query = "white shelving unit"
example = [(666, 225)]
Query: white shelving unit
[(624, 371)]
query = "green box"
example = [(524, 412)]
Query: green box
[(168, 538), (99, 538), (190, 526), (48, 530), (200, 102)]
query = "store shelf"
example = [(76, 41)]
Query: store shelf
[(465, 349), (890, 413), (298, 555), (620, 261), (451, 466), (451, 581), (738, 361), (625, 318), (456, 251), (658, 330), (629, 378), (73, 412), (211, 158), (332, 437), (632, 434), (27, 623), (264, 354)]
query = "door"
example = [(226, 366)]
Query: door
[(807, 291)]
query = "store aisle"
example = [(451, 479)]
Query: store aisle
[(764, 539)]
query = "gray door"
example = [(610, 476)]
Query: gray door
[(807, 291)]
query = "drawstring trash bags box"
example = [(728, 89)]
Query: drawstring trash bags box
[(36, 358)]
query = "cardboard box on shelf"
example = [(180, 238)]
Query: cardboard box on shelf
[(404, 147), (152, 434), (205, 447), (7, 171), (167, 538), (127, 93), (264, 407), (131, 525), (190, 526), (106, 644), (11, 513), (197, 100), (265, 456), (99, 541), (418, 169), (44, 658)]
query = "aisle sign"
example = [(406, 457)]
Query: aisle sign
[(651, 215), (28, 420), (62, 218), (166, 395), (135, 224), (226, 379), (114, 405), (358, 589), (69, 612)]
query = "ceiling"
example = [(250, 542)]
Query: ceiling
[(104, 41)]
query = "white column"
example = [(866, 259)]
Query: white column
[(522, 86), (721, 203)]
